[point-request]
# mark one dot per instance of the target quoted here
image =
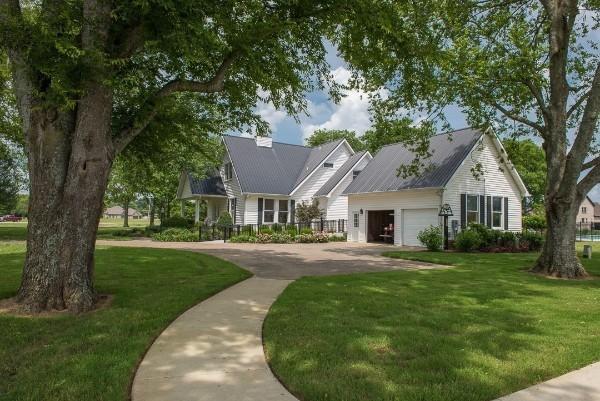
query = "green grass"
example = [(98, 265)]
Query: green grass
[(93, 356), (18, 231), (477, 331)]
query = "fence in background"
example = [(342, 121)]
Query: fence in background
[(587, 232), (218, 232)]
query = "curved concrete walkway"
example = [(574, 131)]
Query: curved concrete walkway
[(214, 351)]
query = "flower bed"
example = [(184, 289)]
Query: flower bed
[(286, 237)]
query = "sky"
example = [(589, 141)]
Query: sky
[(351, 113)]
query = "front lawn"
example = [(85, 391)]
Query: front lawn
[(480, 330), (18, 231), (93, 356)]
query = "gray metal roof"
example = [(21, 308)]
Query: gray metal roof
[(274, 170), (316, 157), (449, 150), (342, 171), (207, 186)]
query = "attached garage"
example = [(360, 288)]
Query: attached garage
[(416, 220)]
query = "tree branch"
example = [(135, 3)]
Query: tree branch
[(590, 164), (139, 123), (537, 94), (518, 118), (578, 103), (589, 181)]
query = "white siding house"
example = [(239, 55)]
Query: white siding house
[(470, 172)]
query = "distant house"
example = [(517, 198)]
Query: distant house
[(117, 212), (261, 181), (589, 212), (383, 206)]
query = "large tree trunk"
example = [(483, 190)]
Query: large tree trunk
[(126, 214), (70, 156), (559, 256)]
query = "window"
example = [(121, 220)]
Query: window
[(328, 165), (356, 217), (228, 171), (355, 173), (496, 212), (584, 209), (283, 211), (269, 211), (472, 209)]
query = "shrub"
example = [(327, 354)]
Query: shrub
[(177, 222), (265, 230), (224, 220), (508, 239), (487, 236), (281, 238), (321, 237), (176, 235), (292, 231), (431, 237), (276, 228), (305, 238), (307, 212), (467, 240), (531, 241), (248, 230), (243, 239), (263, 238), (338, 237), (306, 231), (535, 222)]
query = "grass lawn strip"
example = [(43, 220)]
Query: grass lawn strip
[(480, 330), (93, 356)]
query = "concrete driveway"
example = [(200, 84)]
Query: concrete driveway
[(292, 261)]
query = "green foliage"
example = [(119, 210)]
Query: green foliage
[(467, 240), (403, 130), (431, 237), (531, 240), (536, 222), (306, 230), (243, 238), (321, 136), (338, 237), (176, 235), (224, 220), (292, 231), (265, 230), (307, 212), (9, 180), (177, 222), (530, 161)]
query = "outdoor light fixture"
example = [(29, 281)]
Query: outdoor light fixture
[(445, 212), (361, 211)]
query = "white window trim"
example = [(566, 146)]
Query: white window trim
[(287, 218), (467, 209), (269, 210), (328, 165), (227, 179), (355, 219), (501, 226)]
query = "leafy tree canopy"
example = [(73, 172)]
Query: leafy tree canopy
[(322, 136), (530, 162), (9, 183)]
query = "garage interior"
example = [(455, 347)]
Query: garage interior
[(380, 226)]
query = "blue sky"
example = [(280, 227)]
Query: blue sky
[(352, 113)]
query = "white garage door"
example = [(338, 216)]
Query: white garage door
[(414, 221)]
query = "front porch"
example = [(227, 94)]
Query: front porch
[(209, 191)]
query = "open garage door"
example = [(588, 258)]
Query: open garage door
[(414, 221)]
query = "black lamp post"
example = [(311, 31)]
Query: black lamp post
[(445, 211)]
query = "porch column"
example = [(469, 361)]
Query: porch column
[(197, 211)]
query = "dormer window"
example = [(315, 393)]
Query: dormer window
[(328, 165), (228, 171), (355, 173)]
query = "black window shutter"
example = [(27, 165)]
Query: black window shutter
[(481, 209), (292, 211), (234, 207), (463, 211), (506, 213), (260, 210), (489, 211)]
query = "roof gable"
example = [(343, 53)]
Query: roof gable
[(341, 173), (448, 151), (212, 186), (275, 170)]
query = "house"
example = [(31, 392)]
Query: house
[(589, 213), (261, 181), (468, 170), (117, 212)]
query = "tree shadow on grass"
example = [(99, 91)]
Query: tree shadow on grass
[(475, 332)]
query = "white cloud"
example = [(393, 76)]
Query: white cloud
[(351, 113), (270, 114)]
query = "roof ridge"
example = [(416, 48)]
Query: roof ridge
[(433, 136), (277, 142)]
